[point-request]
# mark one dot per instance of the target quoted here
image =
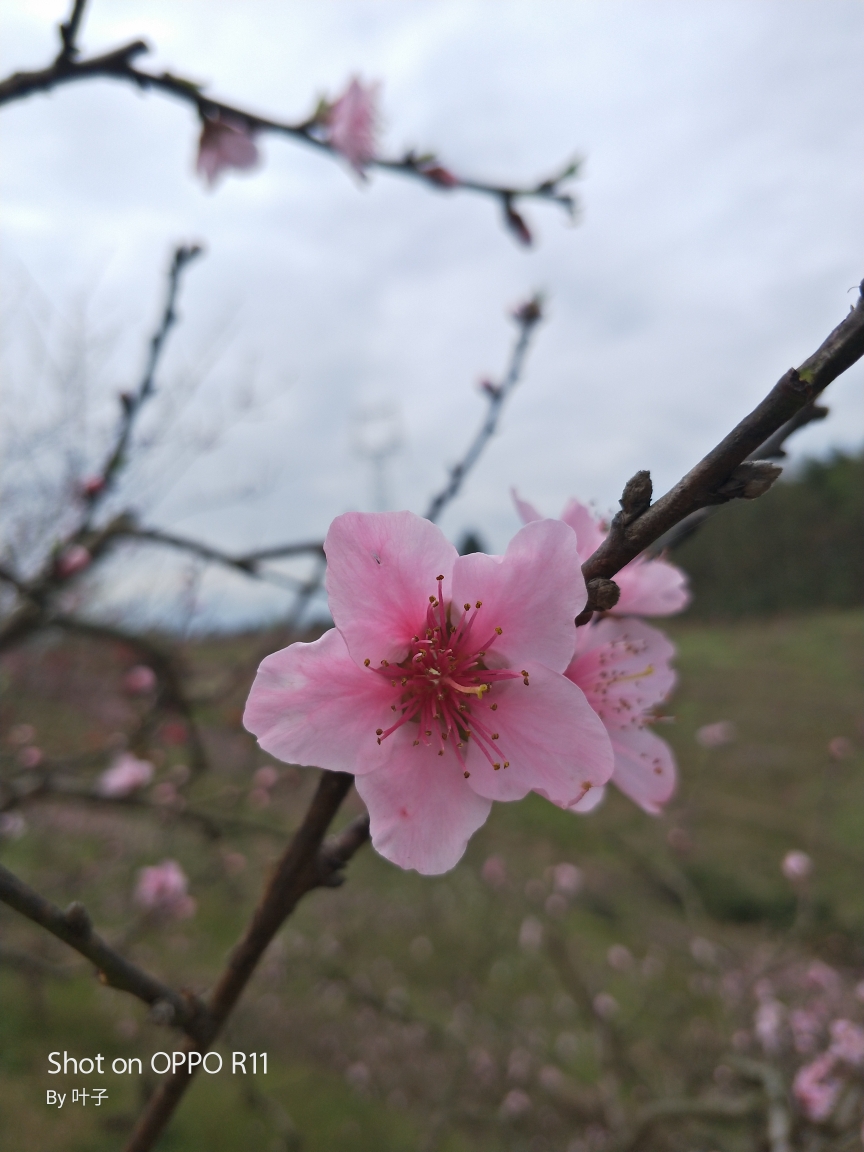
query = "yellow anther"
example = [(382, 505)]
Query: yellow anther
[(440, 751), (385, 663), (379, 731), (494, 707), (479, 604), (466, 606), (367, 662), (439, 577), (496, 766), (466, 774), (416, 742), (506, 763), (494, 735), (498, 631)]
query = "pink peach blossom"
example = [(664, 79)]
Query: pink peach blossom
[(163, 889), (648, 587), (815, 1089), (716, 735), (441, 687), (796, 866), (91, 486), (225, 143), (31, 756), (139, 681), (73, 559), (352, 123), (126, 775), (847, 1042), (623, 667)]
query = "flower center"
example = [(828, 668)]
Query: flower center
[(443, 682)]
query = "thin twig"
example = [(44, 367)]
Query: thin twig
[(305, 865), (74, 928), (133, 402), (771, 1080), (726, 473), (708, 1108), (69, 34), (527, 318), (118, 65)]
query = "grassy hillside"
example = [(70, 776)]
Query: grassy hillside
[(798, 548), (503, 1007)]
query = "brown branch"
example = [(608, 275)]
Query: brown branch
[(305, 865), (69, 33), (74, 928), (117, 65), (527, 317), (726, 473)]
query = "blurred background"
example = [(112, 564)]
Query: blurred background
[(574, 976)]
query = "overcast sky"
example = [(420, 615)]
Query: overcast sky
[(720, 233)]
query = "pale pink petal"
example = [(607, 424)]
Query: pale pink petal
[(527, 512), (533, 593), (421, 811), (623, 667), (311, 704), (588, 528), (553, 741), (651, 588), (352, 123), (381, 570), (225, 144), (592, 799), (644, 768)]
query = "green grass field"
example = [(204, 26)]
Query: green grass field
[(401, 1012)]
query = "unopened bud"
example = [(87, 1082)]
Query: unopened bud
[(636, 497), (603, 594), (162, 1012), (78, 919), (749, 480)]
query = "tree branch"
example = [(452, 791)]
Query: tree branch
[(727, 472), (117, 65), (74, 928), (69, 34), (527, 318), (304, 865)]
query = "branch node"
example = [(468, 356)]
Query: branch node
[(636, 497), (603, 594), (78, 919)]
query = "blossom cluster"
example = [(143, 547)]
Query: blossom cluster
[(452, 681)]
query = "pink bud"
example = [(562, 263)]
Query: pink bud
[(74, 559), (91, 486), (717, 734), (494, 872), (225, 143), (841, 748), (440, 176), (139, 681), (31, 757), (517, 225), (567, 879), (126, 775), (266, 777), (162, 889), (797, 866), (352, 123)]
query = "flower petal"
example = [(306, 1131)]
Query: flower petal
[(381, 571), (623, 668), (533, 593), (527, 512), (311, 704), (587, 526), (651, 588), (421, 810), (591, 800), (644, 768), (554, 741)]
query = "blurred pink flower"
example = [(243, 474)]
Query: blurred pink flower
[(717, 734), (623, 667), (225, 143), (125, 776), (439, 175), (806, 1026), (259, 797), (648, 587), (567, 879), (821, 975), (620, 958), (441, 687), (165, 793), (266, 777), (847, 1042), (840, 747), (12, 825), (163, 889), (21, 734), (605, 1005), (797, 866), (767, 1024), (352, 123), (73, 559), (31, 757), (494, 871), (515, 1104), (139, 681), (815, 1089)]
